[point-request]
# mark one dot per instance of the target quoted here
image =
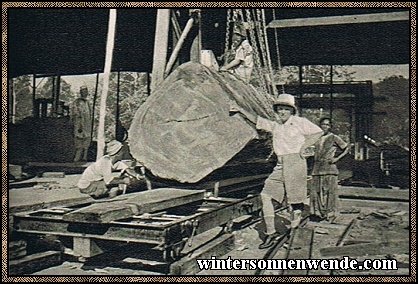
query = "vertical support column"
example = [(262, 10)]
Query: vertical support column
[(107, 70), (94, 103), (196, 49), (85, 247), (56, 96), (35, 108), (331, 107), (12, 106), (117, 112), (300, 85), (160, 47)]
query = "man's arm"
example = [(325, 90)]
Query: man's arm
[(235, 108), (230, 65), (309, 141), (343, 145)]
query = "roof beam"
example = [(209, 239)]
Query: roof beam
[(340, 20)]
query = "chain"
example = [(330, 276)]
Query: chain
[(263, 60), (227, 34), (269, 66), (253, 40), (263, 48)]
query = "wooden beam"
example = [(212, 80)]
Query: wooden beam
[(300, 248), (374, 193), (35, 262), (217, 247), (196, 49), (346, 232), (178, 46), (106, 77), (160, 47), (125, 206), (380, 248), (340, 20)]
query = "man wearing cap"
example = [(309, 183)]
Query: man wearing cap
[(81, 117), (291, 136), (97, 179), (242, 65)]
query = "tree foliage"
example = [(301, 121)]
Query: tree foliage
[(22, 88), (394, 127), (132, 93)]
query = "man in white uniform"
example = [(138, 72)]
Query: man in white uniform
[(291, 136)]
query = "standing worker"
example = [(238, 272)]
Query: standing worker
[(323, 193), (81, 117), (242, 65), (291, 136)]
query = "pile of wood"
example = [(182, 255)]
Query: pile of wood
[(34, 254), (185, 132)]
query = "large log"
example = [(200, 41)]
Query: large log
[(185, 132)]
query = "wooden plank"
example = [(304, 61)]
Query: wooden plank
[(40, 205), (53, 174), (346, 232), (34, 262), (340, 20), (374, 193), (365, 205), (217, 247), (17, 249), (300, 249), (125, 206), (381, 248)]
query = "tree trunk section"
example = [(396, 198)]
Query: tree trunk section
[(184, 132)]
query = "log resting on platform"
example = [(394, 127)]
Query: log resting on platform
[(185, 132)]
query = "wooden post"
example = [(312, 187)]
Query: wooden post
[(12, 106), (331, 108), (196, 49), (117, 113), (176, 33), (94, 104), (105, 89), (35, 109), (179, 44), (86, 247), (56, 91), (160, 47), (300, 86)]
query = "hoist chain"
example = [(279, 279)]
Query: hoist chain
[(268, 70), (227, 34), (256, 57), (263, 49)]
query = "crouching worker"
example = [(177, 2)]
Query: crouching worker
[(97, 180)]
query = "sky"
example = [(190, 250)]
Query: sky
[(376, 73)]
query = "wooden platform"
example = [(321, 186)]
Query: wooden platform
[(126, 206)]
